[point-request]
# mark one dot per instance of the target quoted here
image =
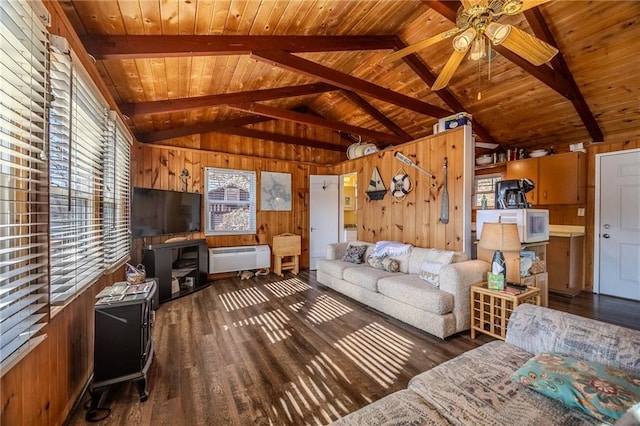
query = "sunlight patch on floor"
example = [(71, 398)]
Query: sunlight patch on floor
[(242, 298), (377, 351), (273, 324), (288, 287), (324, 309), (310, 394)]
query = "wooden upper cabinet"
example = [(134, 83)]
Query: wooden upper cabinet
[(521, 169), (562, 178), (559, 178)]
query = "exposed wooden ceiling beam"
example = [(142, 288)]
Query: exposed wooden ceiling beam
[(278, 137), (419, 67), (173, 105), (372, 111), (296, 117), (177, 132), (545, 74), (448, 9), (345, 81), (542, 31), (172, 46)]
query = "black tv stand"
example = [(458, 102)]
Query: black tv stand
[(182, 259)]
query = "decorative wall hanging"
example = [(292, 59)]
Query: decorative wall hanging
[(376, 189), (406, 160), (275, 191), (444, 209), (400, 185)]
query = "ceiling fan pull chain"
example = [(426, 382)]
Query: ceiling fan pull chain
[(479, 79)]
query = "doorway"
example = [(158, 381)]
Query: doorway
[(349, 217), (617, 224), (324, 213)]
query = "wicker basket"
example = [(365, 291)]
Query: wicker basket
[(135, 274)]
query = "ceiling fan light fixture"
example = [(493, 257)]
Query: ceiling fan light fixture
[(478, 49), (497, 33), (462, 42)]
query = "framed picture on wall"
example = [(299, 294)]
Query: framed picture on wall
[(348, 202), (275, 191)]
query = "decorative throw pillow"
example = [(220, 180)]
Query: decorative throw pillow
[(354, 254), (430, 272), (384, 262), (443, 257), (598, 390)]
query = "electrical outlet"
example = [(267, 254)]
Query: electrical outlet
[(580, 211)]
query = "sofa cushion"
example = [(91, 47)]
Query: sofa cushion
[(400, 408), (430, 272), (475, 388), (336, 268), (355, 253), (365, 277), (384, 262), (605, 393), (420, 255), (413, 291)]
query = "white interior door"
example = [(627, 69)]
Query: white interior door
[(324, 217), (618, 225)]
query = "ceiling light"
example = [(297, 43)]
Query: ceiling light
[(497, 33), (461, 43)]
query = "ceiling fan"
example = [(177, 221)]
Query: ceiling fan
[(475, 20)]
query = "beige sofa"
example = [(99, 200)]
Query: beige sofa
[(405, 295)]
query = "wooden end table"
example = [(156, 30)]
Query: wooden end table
[(491, 309)]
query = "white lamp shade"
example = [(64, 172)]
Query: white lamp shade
[(500, 236)]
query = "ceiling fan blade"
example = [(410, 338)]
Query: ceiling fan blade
[(521, 43), (420, 45), (449, 69)]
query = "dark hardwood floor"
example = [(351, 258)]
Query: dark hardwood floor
[(289, 352)]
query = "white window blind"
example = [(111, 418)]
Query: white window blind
[(231, 201), (116, 191), (77, 141), (23, 178)]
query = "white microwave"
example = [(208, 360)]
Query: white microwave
[(533, 224)]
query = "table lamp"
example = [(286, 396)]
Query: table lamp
[(499, 237)]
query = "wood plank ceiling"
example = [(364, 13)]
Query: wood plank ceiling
[(179, 68)]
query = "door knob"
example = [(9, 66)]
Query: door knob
[(606, 236)]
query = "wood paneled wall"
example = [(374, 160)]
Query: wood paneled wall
[(415, 220), (43, 386), (156, 166), (230, 144)]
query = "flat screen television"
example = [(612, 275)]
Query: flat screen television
[(159, 212)]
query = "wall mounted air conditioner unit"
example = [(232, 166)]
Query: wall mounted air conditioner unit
[(241, 258)]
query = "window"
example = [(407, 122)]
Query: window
[(116, 191), (78, 131), (485, 186), (230, 202), (23, 178)]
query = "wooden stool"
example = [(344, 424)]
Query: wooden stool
[(286, 246)]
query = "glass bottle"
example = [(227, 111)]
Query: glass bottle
[(483, 202), (499, 266)]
